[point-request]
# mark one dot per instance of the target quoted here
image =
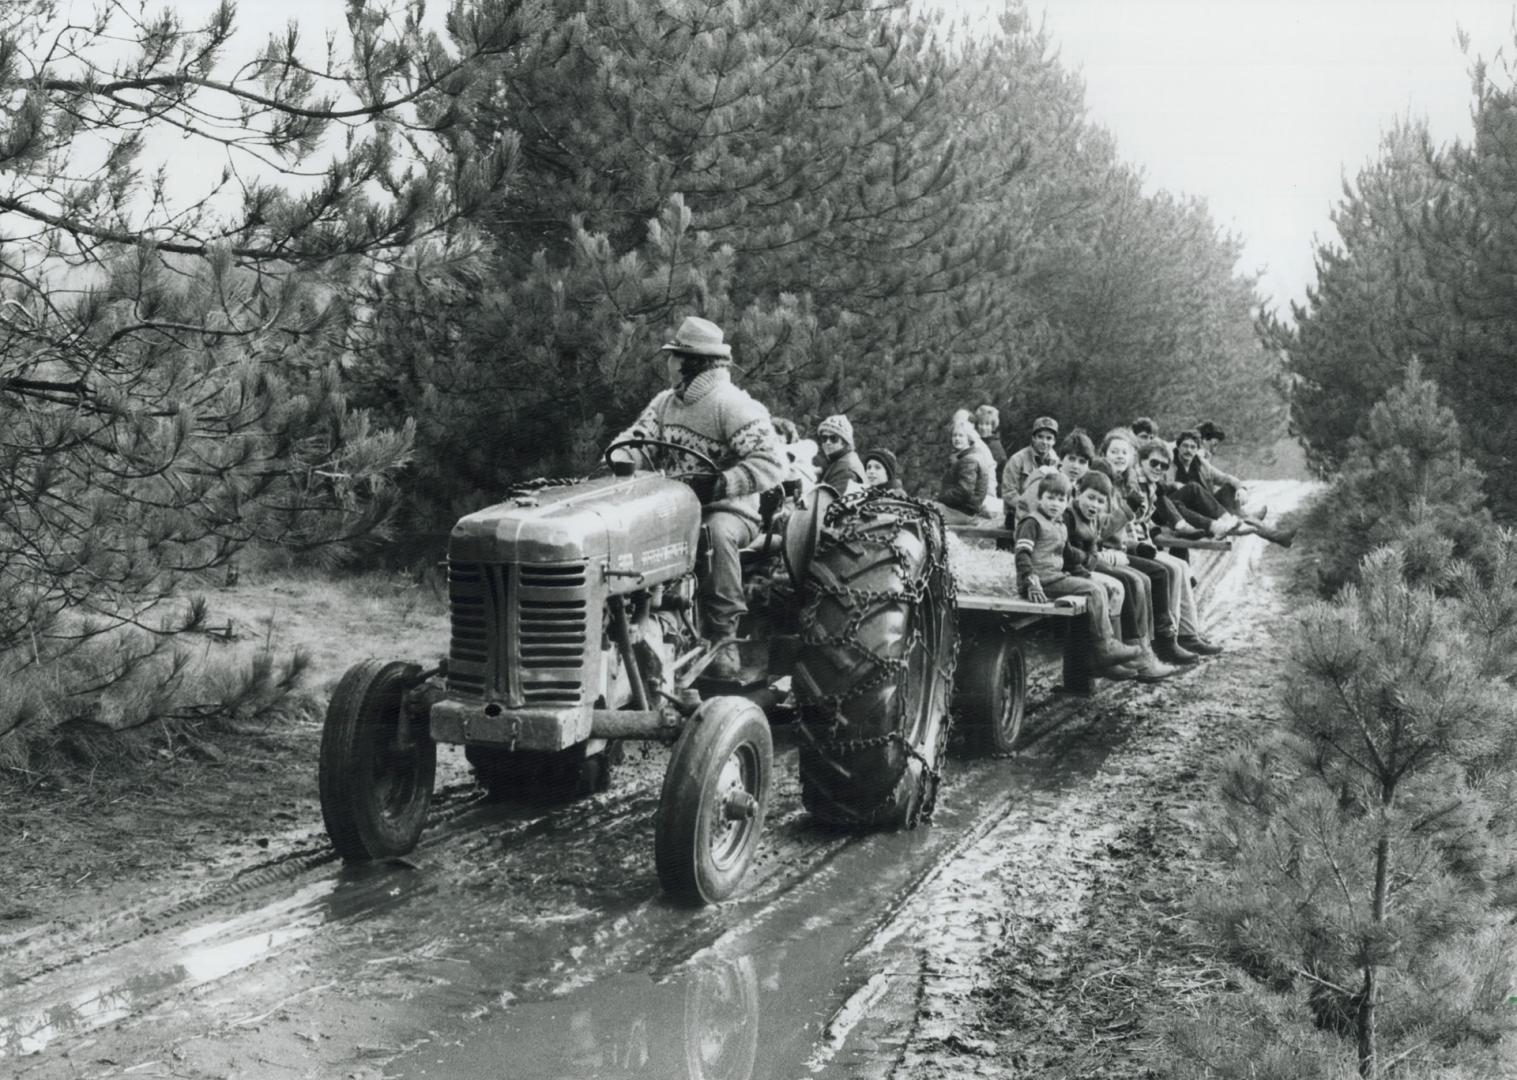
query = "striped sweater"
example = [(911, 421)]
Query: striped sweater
[(716, 417)]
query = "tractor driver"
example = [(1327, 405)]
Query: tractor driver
[(706, 411)]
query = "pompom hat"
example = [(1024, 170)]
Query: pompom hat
[(838, 425)]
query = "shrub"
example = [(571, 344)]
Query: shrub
[(1370, 867), (1405, 483)]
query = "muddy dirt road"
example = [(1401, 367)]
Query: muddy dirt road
[(518, 942)]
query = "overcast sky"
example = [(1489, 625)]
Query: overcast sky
[(1262, 106)]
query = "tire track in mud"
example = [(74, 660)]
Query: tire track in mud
[(44, 949), (1022, 886), (586, 868), (542, 905)]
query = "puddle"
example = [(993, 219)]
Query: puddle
[(764, 996), (556, 923), (144, 973)]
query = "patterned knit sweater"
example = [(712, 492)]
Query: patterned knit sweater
[(712, 415)]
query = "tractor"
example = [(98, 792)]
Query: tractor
[(574, 613)]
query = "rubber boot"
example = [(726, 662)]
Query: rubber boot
[(1200, 646), (1169, 650)]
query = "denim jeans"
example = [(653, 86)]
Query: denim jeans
[(722, 591)]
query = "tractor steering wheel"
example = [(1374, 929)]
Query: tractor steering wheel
[(711, 466)]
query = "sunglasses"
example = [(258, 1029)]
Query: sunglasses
[(1157, 463), (832, 438)]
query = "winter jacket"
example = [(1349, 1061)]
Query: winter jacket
[(1043, 551), (842, 470), (1021, 465), (964, 483), (712, 415), (1084, 537), (998, 455)]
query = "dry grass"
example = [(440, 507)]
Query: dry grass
[(268, 649), (335, 621)]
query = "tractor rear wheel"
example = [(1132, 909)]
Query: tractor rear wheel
[(879, 640), (377, 763)]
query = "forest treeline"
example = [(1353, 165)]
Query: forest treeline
[(889, 221), (444, 260), (297, 296), (1421, 271)]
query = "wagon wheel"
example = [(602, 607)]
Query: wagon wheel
[(991, 692)]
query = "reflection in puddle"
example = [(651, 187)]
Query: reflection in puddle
[(702, 1024), (152, 969)]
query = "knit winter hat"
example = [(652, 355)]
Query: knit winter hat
[(838, 425), (887, 461)]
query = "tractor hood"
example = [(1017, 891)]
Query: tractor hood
[(644, 524)]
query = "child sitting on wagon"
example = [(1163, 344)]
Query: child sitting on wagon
[(1086, 518), (1129, 531), (1049, 566)]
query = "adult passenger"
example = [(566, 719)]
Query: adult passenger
[(965, 482), (842, 468), (1036, 456)]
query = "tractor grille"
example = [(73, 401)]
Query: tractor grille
[(469, 652), (553, 626), (549, 609)]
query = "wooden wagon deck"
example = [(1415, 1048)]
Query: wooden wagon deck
[(991, 619)]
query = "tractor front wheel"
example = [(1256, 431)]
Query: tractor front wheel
[(377, 763), (716, 792)]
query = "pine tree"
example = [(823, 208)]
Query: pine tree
[(1370, 870), (1405, 482), (167, 386), (1469, 240), (1372, 305), (888, 224)]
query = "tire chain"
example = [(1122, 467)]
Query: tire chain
[(851, 520)]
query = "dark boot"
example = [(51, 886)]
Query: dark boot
[(1150, 668), (1283, 537), (1109, 651), (725, 665), (1200, 646), (1171, 651)]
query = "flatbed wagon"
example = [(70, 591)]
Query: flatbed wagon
[(991, 684)]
